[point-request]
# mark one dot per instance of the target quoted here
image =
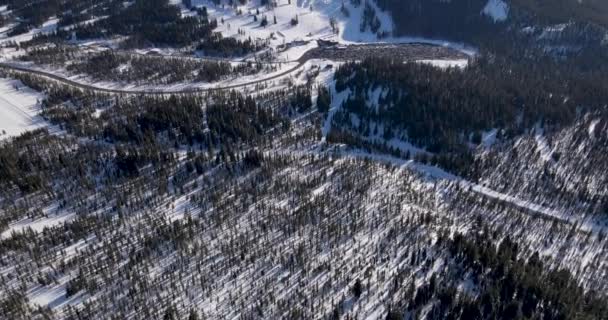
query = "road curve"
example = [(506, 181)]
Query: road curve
[(412, 51), (90, 87)]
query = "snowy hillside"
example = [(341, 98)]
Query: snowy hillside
[(314, 20), (18, 108), (565, 169), (302, 159)]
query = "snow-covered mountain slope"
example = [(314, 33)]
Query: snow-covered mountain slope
[(299, 20), (566, 170), (304, 233), (503, 27), (374, 189), (559, 171)]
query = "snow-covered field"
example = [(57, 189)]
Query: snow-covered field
[(47, 27), (313, 21), (444, 64), (18, 108)]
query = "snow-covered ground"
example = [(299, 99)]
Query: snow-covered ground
[(47, 27), (444, 64), (18, 108), (53, 216), (497, 10), (313, 21)]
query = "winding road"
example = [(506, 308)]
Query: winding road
[(66, 81), (406, 52)]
